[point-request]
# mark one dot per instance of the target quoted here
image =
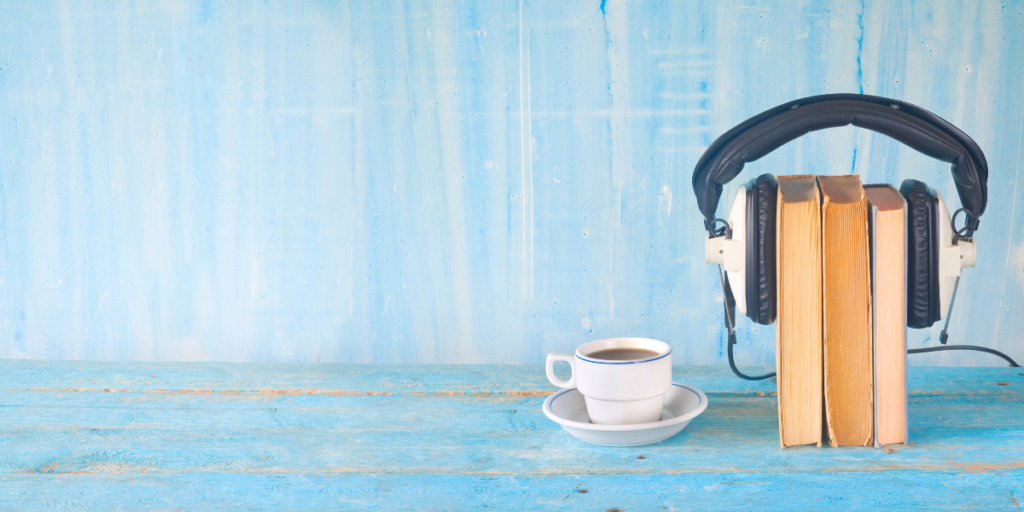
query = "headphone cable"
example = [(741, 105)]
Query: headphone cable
[(730, 303), (732, 361), (732, 364), (1013, 364), (944, 336)]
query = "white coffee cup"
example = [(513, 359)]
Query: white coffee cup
[(618, 392)]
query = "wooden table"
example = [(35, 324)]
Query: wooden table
[(211, 436)]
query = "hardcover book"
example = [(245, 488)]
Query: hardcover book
[(847, 333)]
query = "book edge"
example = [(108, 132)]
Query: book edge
[(778, 315), (873, 249), (816, 199), (872, 219), (824, 204), (824, 325)]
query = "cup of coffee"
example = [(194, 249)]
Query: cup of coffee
[(623, 380)]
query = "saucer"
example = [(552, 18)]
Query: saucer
[(682, 404)]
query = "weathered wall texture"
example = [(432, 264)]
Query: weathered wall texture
[(448, 182)]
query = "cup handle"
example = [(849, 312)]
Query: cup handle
[(549, 367)]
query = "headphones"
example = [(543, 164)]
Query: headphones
[(745, 243)]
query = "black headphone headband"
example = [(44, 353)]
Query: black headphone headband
[(909, 124)]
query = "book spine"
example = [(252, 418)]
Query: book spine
[(847, 345), (873, 243), (779, 367)]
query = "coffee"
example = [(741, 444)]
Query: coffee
[(623, 354)]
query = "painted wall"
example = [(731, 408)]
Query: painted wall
[(423, 182)]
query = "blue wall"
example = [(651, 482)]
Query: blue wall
[(445, 182)]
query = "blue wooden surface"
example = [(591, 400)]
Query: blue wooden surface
[(219, 436), (447, 181)]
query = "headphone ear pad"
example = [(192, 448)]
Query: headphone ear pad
[(922, 255), (762, 196)]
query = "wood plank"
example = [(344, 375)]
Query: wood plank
[(509, 435), (701, 491), (456, 437), (416, 379)]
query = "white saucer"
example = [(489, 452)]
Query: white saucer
[(682, 404)]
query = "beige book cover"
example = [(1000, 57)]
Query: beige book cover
[(888, 227), (798, 326)]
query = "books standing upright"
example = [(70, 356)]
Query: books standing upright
[(798, 325), (846, 278), (887, 223)]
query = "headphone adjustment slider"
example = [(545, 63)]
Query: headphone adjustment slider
[(949, 262), (968, 253), (954, 258), (725, 252)]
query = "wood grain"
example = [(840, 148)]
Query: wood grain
[(305, 437)]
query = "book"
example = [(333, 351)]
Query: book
[(799, 309), (887, 225), (846, 285)]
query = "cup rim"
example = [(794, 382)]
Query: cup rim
[(582, 352)]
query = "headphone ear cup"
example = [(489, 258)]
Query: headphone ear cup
[(922, 255), (762, 196)]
